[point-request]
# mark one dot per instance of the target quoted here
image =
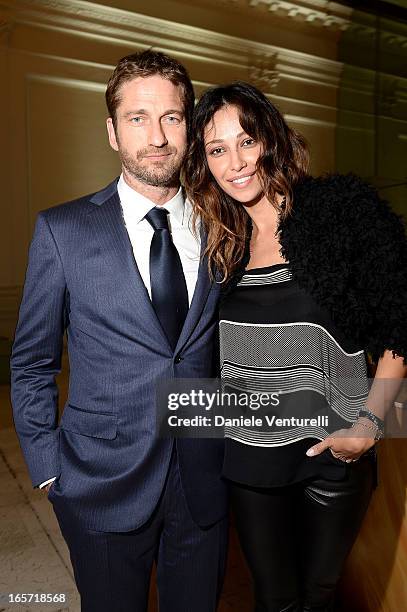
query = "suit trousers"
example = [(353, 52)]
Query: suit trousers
[(113, 570), (296, 538)]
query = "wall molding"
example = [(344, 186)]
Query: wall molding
[(264, 64), (330, 16), (66, 82), (119, 26), (389, 39), (316, 12)]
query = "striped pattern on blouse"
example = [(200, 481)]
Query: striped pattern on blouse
[(300, 359)]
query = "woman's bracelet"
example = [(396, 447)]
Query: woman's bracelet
[(376, 425), (368, 414)]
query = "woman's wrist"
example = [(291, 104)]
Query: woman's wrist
[(366, 428)]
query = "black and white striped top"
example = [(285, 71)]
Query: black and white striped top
[(274, 338)]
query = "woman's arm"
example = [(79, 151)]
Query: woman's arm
[(386, 384), (377, 256), (350, 444)]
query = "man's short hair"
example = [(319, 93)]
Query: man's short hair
[(146, 64)]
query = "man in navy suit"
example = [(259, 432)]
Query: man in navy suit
[(120, 272)]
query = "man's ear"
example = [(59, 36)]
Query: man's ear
[(112, 134)]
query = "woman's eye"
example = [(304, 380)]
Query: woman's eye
[(248, 142), (216, 151)]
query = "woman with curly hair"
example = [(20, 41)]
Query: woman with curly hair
[(314, 272)]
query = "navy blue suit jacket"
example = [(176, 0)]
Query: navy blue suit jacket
[(111, 467)]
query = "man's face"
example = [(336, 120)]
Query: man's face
[(150, 134)]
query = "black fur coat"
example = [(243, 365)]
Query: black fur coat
[(348, 250)]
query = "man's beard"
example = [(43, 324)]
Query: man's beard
[(158, 174)]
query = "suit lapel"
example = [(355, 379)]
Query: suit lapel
[(202, 289), (109, 228), (107, 219)]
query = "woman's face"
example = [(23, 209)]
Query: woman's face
[(232, 155)]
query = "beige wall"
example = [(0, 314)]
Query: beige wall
[(56, 56)]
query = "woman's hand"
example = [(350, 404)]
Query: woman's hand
[(347, 444)]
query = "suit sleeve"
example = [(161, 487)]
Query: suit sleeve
[(36, 355)]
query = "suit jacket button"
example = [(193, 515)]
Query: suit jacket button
[(178, 359)]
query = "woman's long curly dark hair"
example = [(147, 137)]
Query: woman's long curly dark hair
[(283, 162)]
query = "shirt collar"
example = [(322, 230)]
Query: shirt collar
[(137, 206)]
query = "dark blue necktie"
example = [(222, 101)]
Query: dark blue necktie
[(169, 293)]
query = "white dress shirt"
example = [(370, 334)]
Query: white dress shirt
[(135, 207)]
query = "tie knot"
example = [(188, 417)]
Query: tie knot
[(158, 218)]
